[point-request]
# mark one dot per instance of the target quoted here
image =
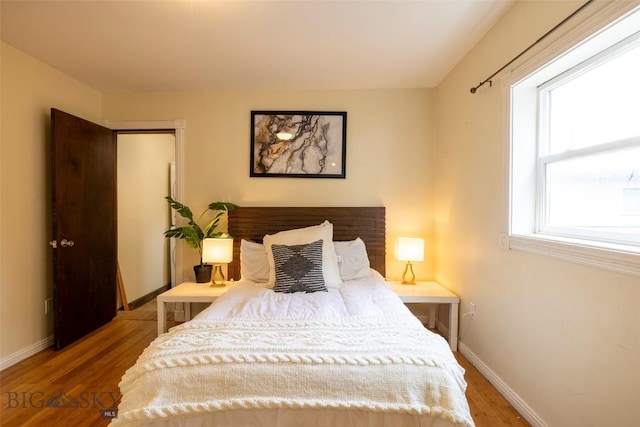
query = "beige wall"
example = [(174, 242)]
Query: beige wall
[(143, 213), (389, 154), (29, 90), (564, 337)]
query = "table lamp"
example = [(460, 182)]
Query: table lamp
[(217, 251), (409, 249)]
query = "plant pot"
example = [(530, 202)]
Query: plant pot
[(203, 273)]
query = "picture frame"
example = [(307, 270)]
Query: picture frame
[(298, 144)]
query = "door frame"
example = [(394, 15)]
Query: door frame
[(178, 127)]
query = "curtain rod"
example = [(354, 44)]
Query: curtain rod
[(488, 79)]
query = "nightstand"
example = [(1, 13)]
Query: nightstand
[(187, 292), (431, 293)]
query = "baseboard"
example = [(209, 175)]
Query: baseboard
[(502, 387), (26, 352), (148, 297)]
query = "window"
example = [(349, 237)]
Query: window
[(589, 148), (575, 148)]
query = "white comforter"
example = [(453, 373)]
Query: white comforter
[(353, 348)]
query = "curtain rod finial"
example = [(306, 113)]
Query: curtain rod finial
[(475, 89)]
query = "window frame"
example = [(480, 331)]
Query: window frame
[(586, 44)]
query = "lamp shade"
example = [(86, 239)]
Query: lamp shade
[(217, 251), (409, 249)]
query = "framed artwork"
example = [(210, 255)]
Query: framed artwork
[(298, 144)]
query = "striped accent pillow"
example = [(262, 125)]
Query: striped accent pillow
[(298, 268)]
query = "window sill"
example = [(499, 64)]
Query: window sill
[(619, 258)]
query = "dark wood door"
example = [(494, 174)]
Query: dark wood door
[(84, 226)]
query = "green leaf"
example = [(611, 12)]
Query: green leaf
[(175, 232), (221, 235), (181, 209), (222, 206), (192, 237)]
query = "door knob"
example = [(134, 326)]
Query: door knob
[(67, 243)]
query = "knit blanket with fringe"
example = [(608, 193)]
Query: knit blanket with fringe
[(373, 363)]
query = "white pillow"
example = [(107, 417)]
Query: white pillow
[(353, 261), (254, 264), (300, 236)]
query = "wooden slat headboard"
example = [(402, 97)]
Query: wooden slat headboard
[(252, 223)]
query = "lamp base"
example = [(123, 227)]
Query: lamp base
[(217, 277), (408, 278)]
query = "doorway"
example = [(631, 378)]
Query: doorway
[(177, 129), (145, 174)]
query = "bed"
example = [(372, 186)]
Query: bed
[(308, 335)]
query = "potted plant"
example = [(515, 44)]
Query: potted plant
[(193, 234)]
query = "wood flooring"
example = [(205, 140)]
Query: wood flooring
[(77, 386)]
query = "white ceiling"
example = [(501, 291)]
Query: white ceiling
[(225, 44)]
